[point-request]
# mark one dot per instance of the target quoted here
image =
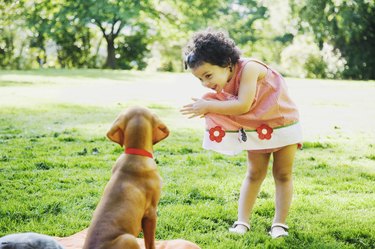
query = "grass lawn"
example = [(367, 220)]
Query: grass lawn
[(55, 160)]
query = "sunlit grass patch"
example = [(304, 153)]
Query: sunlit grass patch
[(322, 145), (15, 83)]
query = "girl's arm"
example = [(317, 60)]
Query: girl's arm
[(246, 95)]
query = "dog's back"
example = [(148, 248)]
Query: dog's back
[(131, 194)]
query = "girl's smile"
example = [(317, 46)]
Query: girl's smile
[(213, 76)]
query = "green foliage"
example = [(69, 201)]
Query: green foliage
[(349, 26), (241, 19), (6, 50), (295, 58), (186, 17), (178, 20), (303, 58), (111, 17), (315, 67), (9, 26), (151, 34), (69, 27), (132, 51)]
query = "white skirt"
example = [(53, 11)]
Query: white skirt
[(264, 137)]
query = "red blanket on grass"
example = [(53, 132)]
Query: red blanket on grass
[(76, 241)]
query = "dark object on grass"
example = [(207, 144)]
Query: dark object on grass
[(28, 241)]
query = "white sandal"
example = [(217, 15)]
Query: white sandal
[(277, 233), (239, 227)]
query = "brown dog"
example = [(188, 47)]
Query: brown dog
[(131, 196)]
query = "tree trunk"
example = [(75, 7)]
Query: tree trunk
[(111, 60)]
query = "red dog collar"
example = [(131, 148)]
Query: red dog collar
[(139, 152)]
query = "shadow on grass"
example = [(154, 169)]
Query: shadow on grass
[(123, 75)]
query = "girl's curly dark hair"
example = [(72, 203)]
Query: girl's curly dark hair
[(211, 46)]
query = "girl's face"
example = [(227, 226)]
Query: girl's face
[(212, 76)]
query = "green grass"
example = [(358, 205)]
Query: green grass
[(55, 160)]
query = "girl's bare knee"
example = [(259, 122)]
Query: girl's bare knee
[(282, 177), (255, 176)]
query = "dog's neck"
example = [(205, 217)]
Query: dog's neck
[(139, 152)]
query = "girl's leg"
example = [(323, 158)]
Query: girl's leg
[(282, 173), (256, 172)]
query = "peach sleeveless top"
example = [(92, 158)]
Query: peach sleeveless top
[(271, 122)]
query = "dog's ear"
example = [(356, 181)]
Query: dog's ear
[(116, 132), (160, 130)]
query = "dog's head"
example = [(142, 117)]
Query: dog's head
[(137, 123)]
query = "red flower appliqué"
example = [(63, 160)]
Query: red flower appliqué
[(264, 132), (217, 134)]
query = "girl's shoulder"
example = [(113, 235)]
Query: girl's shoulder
[(252, 61), (251, 67)]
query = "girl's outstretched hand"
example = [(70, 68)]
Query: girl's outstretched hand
[(195, 109)]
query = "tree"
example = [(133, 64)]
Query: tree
[(112, 18), (349, 26), (72, 25), (182, 18), (134, 48), (51, 22), (174, 24), (10, 20)]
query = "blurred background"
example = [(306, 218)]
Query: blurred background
[(333, 39)]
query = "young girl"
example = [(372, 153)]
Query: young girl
[(250, 110)]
